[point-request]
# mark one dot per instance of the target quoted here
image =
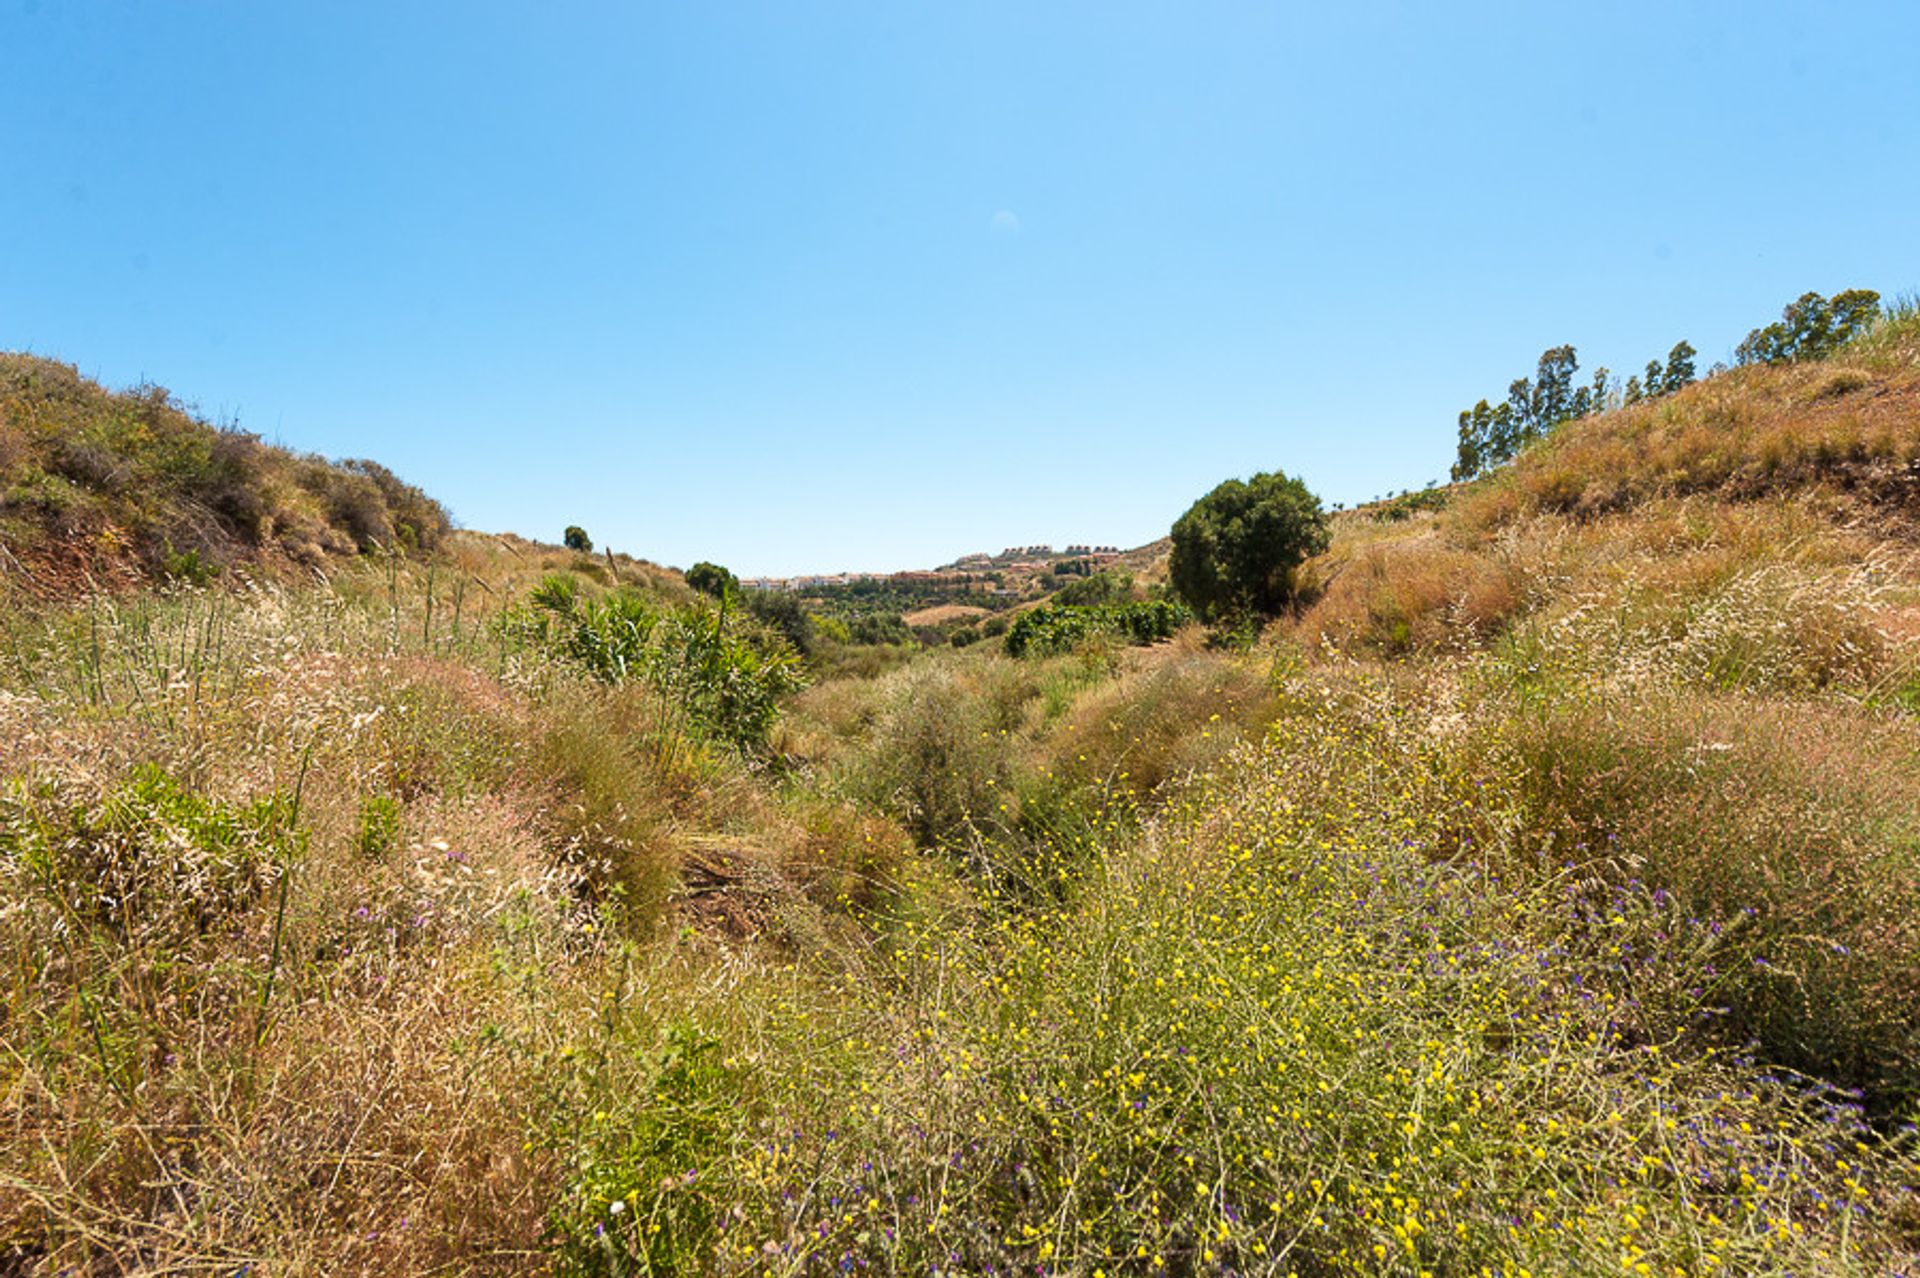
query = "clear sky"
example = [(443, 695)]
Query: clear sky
[(802, 286)]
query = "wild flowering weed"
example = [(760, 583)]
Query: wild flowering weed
[(1277, 1036)]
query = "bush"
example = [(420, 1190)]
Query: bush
[(881, 628), (1054, 628), (154, 860), (1110, 586), (1407, 505), (726, 677), (1236, 549), (379, 830), (575, 538), (934, 762), (784, 613), (712, 579)]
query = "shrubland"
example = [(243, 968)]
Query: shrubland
[(108, 488), (1536, 894)]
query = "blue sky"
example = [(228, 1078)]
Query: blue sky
[(798, 286)]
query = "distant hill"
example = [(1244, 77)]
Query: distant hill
[(111, 488)]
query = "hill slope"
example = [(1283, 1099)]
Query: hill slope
[(1544, 897), (115, 487)]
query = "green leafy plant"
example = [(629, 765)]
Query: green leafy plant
[(1811, 327), (188, 566), (379, 830), (712, 579), (1057, 628), (1236, 549), (725, 673)]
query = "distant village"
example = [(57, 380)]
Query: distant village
[(1006, 573)]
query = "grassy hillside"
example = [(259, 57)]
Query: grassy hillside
[(102, 488), (1542, 898)]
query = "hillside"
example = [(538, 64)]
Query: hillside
[(1540, 896), (107, 488)]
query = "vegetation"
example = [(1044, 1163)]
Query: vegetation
[(1490, 436), (1811, 327), (575, 538), (1110, 586), (725, 681), (1236, 549), (121, 488), (712, 579), (1536, 893), (1059, 627), (881, 595)]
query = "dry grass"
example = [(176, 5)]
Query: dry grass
[(1469, 921), (1851, 423), (940, 614), (100, 489)]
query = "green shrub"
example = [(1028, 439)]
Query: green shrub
[(1236, 549), (649, 1167), (725, 674), (188, 566), (784, 613), (880, 628), (1407, 505), (379, 830), (575, 538), (1113, 585), (712, 579), (153, 859), (1056, 628)]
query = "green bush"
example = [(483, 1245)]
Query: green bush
[(726, 674), (575, 538), (1407, 505), (188, 566), (1108, 587), (379, 830), (784, 613), (153, 859), (1055, 628), (712, 579), (880, 627), (646, 1167), (1236, 549)]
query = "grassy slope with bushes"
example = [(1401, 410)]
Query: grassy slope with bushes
[(99, 488), (1540, 898)]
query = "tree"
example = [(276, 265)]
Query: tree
[(1811, 327), (1236, 549), (712, 579), (1484, 431), (1679, 367), (1552, 401), (575, 538)]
